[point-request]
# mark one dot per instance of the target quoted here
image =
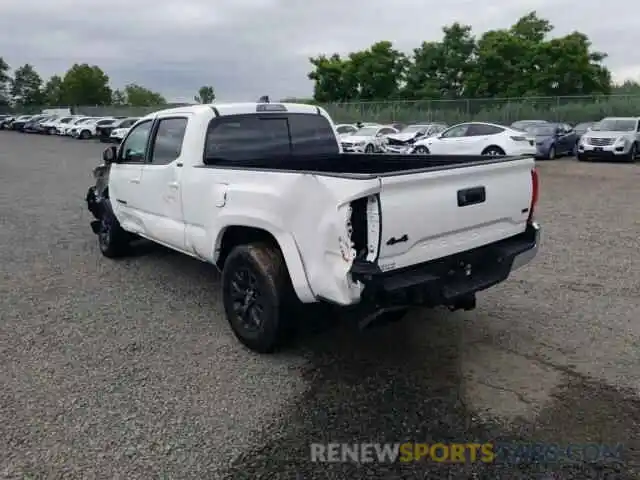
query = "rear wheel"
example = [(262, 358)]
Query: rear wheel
[(84, 134), (369, 149), (493, 151), (51, 131), (552, 153), (258, 297)]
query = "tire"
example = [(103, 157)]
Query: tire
[(258, 296), (84, 135), (421, 150), (51, 131), (581, 157), (370, 149), (633, 153), (552, 153), (113, 241), (493, 151)]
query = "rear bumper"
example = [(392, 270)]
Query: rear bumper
[(445, 280)]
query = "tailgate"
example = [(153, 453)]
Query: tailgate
[(430, 215)]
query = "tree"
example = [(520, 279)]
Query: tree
[(5, 81), (378, 71), (518, 61), (333, 79), (628, 87), (85, 84), (138, 96), (440, 69), (26, 87), (118, 97), (206, 94), (53, 91)]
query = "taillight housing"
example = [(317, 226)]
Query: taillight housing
[(535, 192)]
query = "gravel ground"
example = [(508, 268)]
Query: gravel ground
[(127, 369)]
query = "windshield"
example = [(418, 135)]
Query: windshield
[(414, 128), (583, 126), (540, 130), (367, 132), (615, 125)]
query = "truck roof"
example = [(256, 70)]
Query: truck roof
[(223, 109)]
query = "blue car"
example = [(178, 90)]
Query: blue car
[(553, 139)]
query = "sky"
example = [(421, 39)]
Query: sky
[(250, 48)]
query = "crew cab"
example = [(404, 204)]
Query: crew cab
[(264, 192)]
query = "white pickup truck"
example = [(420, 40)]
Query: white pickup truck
[(264, 192)]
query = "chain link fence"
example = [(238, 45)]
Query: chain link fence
[(573, 109), (497, 110)]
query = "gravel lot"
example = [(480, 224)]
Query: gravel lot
[(127, 369)]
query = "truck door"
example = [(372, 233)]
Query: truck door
[(125, 177), (161, 195)]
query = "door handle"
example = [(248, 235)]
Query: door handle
[(174, 185), (135, 180)]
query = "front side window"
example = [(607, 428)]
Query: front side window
[(167, 144), (456, 132), (134, 147)]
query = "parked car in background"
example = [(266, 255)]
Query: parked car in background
[(19, 123), (87, 129), (367, 139), (475, 138), (40, 127), (402, 141), (50, 126), (118, 134), (33, 124), (103, 132), (5, 121), (581, 129), (521, 124), (553, 139), (611, 138), (345, 129), (66, 128)]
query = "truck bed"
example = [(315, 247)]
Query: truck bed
[(361, 164)]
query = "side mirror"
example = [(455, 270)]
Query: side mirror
[(110, 154)]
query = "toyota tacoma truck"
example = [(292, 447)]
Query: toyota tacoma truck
[(264, 192)]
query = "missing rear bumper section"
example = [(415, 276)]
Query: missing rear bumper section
[(452, 281)]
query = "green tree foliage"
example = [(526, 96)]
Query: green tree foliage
[(53, 91), (522, 60), (26, 87), (138, 96), (5, 80), (118, 97), (85, 84), (206, 94)]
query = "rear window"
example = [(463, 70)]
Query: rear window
[(239, 138)]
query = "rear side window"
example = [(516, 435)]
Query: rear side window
[(476, 129), (243, 138), (312, 135)]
